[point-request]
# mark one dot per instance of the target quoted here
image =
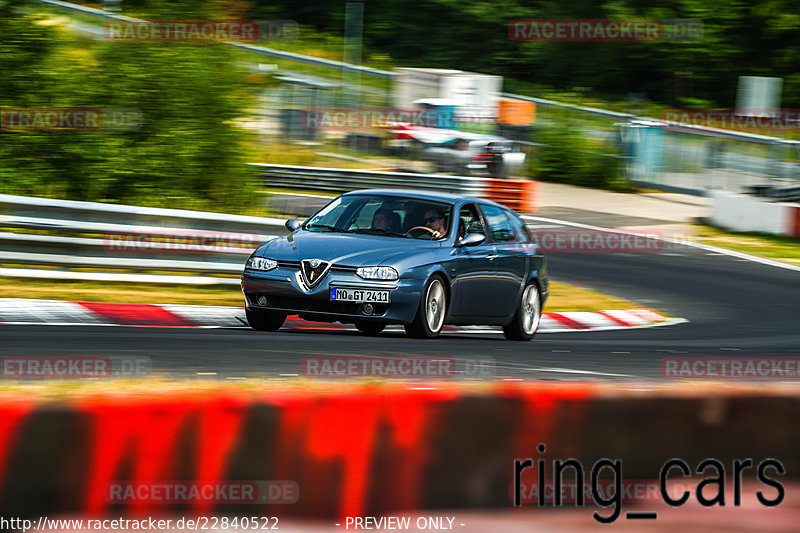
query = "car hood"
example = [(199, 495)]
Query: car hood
[(341, 248)]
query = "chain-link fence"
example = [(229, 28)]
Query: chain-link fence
[(667, 158)]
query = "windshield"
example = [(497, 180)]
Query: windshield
[(389, 216)]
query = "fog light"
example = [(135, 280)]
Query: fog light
[(262, 301), (368, 309)]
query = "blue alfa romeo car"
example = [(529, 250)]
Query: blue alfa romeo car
[(419, 259)]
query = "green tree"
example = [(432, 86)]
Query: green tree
[(188, 150)]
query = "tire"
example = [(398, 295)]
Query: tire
[(370, 328), (432, 311), (265, 320), (526, 320)]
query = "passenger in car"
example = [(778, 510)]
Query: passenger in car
[(386, 220), (380, 220)]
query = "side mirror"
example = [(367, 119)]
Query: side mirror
[(473, 239), (292, 224)]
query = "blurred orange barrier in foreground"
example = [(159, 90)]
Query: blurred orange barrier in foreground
[(519, 195), (359, 449)]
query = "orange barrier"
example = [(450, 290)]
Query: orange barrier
[(370, 450), (519, 195), (512, 112), (794, 221)]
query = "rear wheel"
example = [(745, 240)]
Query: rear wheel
[(265, 320), (370, 328), (526, 320), (429, 320)]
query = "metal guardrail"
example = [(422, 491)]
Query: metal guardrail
[(46, 238), (318, 61), (62, 239), (88, 10), (341, 180), (779, 194), (263, 50), (712, 132), (49, 209), (592, 111)]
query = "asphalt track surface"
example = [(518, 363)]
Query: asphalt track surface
[(734, 307)]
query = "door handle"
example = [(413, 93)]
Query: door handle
[(491, 257)]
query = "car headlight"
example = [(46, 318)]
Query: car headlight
[(383, 273), (261, 263)]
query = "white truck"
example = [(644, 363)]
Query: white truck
[(475, 96)]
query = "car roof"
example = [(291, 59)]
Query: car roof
[(421, 195)]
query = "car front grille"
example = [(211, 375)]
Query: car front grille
[(295, 265), (313, 305)]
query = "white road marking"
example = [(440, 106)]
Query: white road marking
[(683, 242), (575, 371)]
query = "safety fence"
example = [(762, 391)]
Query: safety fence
[(516, 194)]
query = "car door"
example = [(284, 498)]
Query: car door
[(511, 264), (471, 267)]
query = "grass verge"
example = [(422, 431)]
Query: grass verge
[(777, 247), (563, 297)]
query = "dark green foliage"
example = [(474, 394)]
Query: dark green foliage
[(187, 152), (572, 154), (741, 37)]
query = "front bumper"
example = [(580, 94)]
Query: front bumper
[(285, 293)]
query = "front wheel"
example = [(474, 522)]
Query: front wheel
[(370, 328), (265, 320), (526, 320), (429, 319)]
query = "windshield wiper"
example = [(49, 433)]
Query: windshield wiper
[(324, 227), (371, 231)]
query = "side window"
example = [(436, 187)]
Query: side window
[(469, 221), (498, 223), (519, 232)]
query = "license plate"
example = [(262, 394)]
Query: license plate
[(359, 295)]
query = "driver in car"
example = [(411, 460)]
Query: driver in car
[(435, 221)]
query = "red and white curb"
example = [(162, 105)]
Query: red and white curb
[(54, 312)]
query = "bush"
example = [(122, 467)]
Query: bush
[(569, 155)]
